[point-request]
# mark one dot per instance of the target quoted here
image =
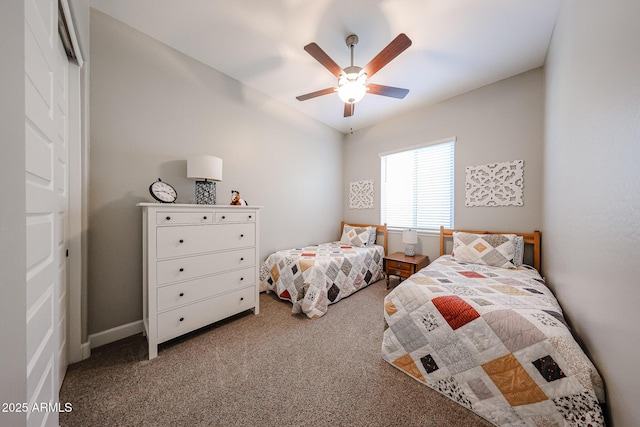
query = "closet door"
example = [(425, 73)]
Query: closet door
[(47, 154)]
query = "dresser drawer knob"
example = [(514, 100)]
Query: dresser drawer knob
[(181, 294), (182, 319), (204, 217), (242, 235), (241, 298), (241, 279), (181, 269), (249, 216), (223, 217), (241, 259), (181, 241), (168, 218)]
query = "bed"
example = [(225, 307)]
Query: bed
[(491, 338), (316, 276)]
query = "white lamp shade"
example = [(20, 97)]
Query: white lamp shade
[(204, 166), (410, 237)]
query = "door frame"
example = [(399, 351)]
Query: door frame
[(77, 346)]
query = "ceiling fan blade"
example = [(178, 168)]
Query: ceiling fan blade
[(316, 93), (349, 109), (393, 92), (386, 55), (314, 50)]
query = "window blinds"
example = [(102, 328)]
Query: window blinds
[(417, 187)]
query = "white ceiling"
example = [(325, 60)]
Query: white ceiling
[(458, 45)]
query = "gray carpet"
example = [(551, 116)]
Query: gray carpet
[(274, 369)]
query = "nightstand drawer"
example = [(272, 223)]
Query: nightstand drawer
[(174, 270), (397, 265), (184, 319), (183, 293)]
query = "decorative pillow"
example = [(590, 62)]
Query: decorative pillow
[(355, 236), (373, 234), (487, 249), (518, 257)]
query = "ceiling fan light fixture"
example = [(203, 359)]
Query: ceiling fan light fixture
[(352, 87), (352, 81)]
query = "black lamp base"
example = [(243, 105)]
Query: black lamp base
[(205, 193)]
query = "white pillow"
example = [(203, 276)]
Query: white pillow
[(496, 250), (355, 236)]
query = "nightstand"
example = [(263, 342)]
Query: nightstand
[(398, 264)]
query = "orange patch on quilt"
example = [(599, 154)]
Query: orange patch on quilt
[(407, 364), (513, 381), (305, 264), (285, 295), (308, 254), (390, 308), (471, 274), (275, 273), (455, 310)]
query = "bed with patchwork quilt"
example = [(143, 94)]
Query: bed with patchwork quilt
[(492, 338), (316, 276)]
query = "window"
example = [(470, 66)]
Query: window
[(417, 186)]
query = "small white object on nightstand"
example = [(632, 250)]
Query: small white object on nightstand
[(409, 238)]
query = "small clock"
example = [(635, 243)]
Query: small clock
[(163, 192)]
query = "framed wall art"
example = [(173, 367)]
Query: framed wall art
[(495, 184), (361, 195)]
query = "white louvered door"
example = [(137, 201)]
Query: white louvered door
[(47, 154)]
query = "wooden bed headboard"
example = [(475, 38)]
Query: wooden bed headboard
[(379, 229), (529, 238)]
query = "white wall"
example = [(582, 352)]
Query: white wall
[(591, 213), (13, 287), (497, 123), (150, 107)]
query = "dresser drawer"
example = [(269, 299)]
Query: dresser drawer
[(225, 217), (172, 296), (184, 319), (174, 270), (167, 218), (190, 240)]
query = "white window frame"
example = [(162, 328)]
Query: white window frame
[(408, 191)]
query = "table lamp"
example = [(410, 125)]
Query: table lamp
[(409, 238), (206, 170)]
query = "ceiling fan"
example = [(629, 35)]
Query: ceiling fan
[(352, 81)]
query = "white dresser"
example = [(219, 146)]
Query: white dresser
[(199, 266)]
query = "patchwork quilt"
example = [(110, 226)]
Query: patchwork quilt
[(316, 276), (495, 341)]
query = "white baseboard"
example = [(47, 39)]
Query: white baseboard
[(85, 349), (114, 334)]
